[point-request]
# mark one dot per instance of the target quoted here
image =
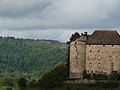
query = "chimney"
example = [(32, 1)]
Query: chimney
[(82, 34), (85, 33)]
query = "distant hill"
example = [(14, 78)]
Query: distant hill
[(29, 55)]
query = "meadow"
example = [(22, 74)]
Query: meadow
[(76, 87)]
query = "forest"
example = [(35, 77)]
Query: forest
[(30, 58)]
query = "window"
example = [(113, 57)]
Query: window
[(90, 50), (110, 58), (99, 65), (103, 45), (76, 65), (98, 50), (76, 49), (90, 65), (112, 66), (90, 57), (99, 57), (76, 57), (117, 58)]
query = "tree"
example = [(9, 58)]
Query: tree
[(74, 36), (32, 83), (114, 76), (7, 80), (86, 75), (54, 77), (22, 82)]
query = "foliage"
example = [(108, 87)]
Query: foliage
[(100, 77), (77, 87), (7, 80), (114, 76), (85, 75), (30, 56), (22, 82), (8, 88), (74, 36), (55, 77), (94, 76), (33, 83)]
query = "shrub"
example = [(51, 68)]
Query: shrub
[(22, 82), (54, 77)]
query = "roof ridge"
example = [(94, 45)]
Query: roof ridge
[(106, 30), (104, 37)]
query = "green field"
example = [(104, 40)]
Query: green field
[(74, 87), (69, 87), (4, 88)]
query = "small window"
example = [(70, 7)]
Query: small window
[(96, 72), (89, 44), (110, 58), (76, 57), (103, 45), (117, 58), (98, 50), (92, 72), (90, 57), (99, 57), (90, 65), (76, 49), (112, 66), (99, 65), (112, 45), (75, 42), (90, 50)]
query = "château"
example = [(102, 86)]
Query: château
[(97, 53)]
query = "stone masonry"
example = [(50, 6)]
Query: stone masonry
[(96, 53)]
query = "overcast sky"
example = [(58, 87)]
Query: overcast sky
[(57, 19)]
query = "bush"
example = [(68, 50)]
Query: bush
[(100, 77), (74, 36), (22, 82), (7, 81), (114, 76), (85, 75), (54, 77), (104, 85), (32, 83), (8, 88)]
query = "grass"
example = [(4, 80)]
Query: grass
[(77, 87), (71, 87), (4, 88)]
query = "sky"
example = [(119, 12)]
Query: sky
[(57, 19)]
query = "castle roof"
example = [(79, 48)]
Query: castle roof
[(104, 37)]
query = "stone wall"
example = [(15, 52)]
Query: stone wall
[(77, 58), (102, 58)]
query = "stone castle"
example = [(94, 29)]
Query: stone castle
[(95, 53)]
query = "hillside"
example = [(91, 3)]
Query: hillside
[(29, 55)]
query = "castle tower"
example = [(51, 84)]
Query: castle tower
[(77, 57)]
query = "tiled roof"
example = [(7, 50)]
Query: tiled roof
[(104, 37)]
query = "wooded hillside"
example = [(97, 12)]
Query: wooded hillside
[(29, 55)]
